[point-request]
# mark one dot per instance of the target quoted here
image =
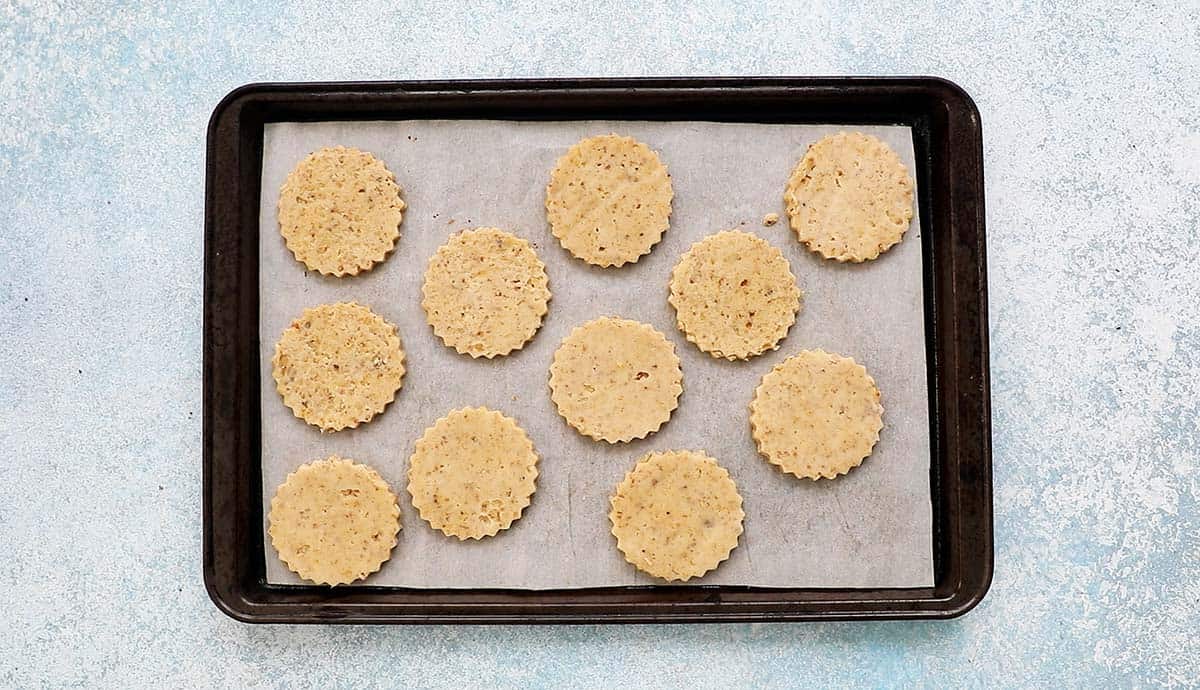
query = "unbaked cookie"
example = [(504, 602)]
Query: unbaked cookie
[(472, 473), (485, 292), (816, 415), (676, 515), (850, 198), (616, 380), (338, 365), (334, 521), (340, 211), (609, 200), (734, 295)]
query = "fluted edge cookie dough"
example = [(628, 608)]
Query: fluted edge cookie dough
[(609, 200), (850, 198), (334, 521), (485, 292), (340, 211), (338, 365), (816, 414), (615, 380), (676, 515), (472, 473), (734, 295)]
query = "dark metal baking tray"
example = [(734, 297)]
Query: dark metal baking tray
[(949, 168)]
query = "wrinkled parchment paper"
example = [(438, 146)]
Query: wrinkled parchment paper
[(871, 528)]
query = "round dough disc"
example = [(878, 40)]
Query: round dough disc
[(609, 200), (338, 365), (472, 473), (616, 380), (850, 198), (485, 292), (816, 415), (676, 515), (340, 211), (734, 295), (334, 521)]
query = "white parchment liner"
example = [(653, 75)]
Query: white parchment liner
[(871, 528)]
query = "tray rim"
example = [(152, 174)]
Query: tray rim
[(227, 562)]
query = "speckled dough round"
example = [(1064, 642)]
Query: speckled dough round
[(334, 521), (340, 211), (676, 515), (472, 473), (816, 415), (485, 292), (338, 365), (850, 198), (609, 200), (615, 380), (734, 295)]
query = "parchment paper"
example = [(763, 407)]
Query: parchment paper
[(871, 528)]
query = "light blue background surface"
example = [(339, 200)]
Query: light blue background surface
[(1092, 136)]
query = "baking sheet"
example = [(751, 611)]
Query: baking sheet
[(871, 528)]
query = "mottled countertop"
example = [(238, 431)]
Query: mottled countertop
[(1092, 144)]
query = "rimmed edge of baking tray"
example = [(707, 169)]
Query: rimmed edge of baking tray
[(948, 144)]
